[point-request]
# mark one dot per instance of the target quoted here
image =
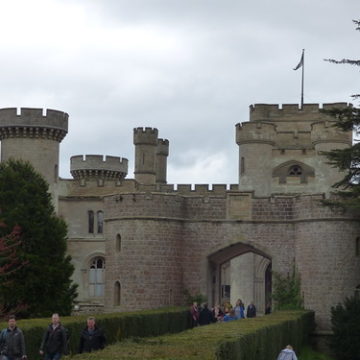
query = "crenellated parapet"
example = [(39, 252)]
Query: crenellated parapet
[(162, 147), (95, 166), (288, 112), (255, 132), (33, 123), (145, 136), (327, 132)]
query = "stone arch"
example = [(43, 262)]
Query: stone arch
[(232, 263), (293, 169)]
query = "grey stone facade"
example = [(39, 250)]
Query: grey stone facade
[(140, 243)]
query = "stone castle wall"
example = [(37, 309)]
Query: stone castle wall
[(171, 238)]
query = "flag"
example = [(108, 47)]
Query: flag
[(301, 63)]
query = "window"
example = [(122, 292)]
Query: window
[(118, 243), (97, 277), (295, 170), (242, 166), (117, 293), (100, 221), (91, 221), (357, 246)]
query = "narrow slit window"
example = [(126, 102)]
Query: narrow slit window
[(100, 222), (91, 221)]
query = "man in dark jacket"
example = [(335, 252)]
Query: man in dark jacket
[(91, 338), (12, 343), (54, 344), (206, 316)]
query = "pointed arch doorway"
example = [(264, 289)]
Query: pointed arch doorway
[(240, 271)]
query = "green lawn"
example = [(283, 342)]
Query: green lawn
[(308, 354)]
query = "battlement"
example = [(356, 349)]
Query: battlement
[(250, 132), (112, 167), (33, 123), (145, 136), (288, 112), (325, 132), (162, 147), (189, 189)]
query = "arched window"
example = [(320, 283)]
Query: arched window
[(117, 293), (295, 170), (118, 243), (91, 221), (97, 277), (100, 221)]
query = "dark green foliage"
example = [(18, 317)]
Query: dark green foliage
[(347, 160), (286, 291), (44, 285), (198, 298), (345, 320), (259, 338)]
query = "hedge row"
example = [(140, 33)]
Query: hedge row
[(117, 326), (250, 339)]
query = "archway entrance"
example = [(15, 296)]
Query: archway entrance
[(240, 271)]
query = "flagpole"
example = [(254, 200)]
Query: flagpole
[(302, 80)]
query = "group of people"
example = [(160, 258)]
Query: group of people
[(54, 342), (203, 315)]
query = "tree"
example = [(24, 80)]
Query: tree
[(347, 160), (45, 284), (10, 262), (286, 292), (345, 320)]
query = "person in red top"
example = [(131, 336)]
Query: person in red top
[(195, 314)]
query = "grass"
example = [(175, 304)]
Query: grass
[(309, 354)]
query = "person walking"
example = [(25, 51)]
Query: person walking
[(92, 338), (287, 354), (54, 341), (12, 342)]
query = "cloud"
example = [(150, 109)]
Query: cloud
[(189, 68)]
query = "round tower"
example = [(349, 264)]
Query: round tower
[(162, 152), (256, 141), (96, 167), (34, 136), (145, 141), (326, 137)]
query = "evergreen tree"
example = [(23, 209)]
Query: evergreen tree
[(345, 320), (45, 284), (287, 292), (347, 160)]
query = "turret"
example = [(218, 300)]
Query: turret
[(96, 167), (34, 136), (162, 152), (326, 137), (145, 141), (256, 140)]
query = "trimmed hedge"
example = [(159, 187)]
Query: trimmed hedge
[(117, 326), (259, 338)]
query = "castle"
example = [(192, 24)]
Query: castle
[(139, 242)]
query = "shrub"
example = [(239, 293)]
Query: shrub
[(345, 320)]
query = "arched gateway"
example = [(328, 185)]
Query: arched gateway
[(240, 271)]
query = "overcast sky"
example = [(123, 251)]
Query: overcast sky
[(190, 68)]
